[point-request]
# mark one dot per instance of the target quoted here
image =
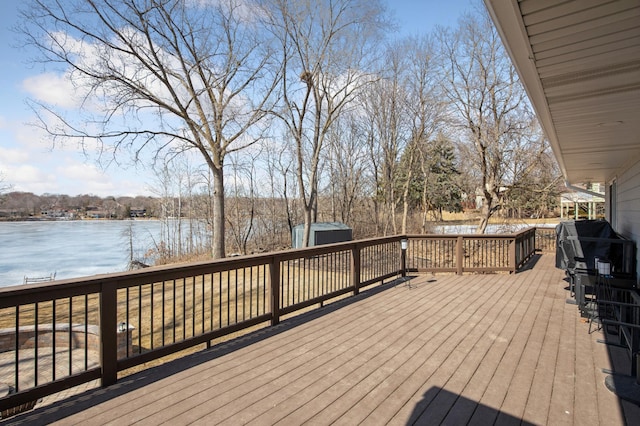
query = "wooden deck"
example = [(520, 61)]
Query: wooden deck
[(472, 349)]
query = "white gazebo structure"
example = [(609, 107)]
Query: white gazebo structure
[(591, 203)]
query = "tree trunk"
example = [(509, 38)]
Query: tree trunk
[(486, 211), (217, 242), (405, 200), (306, 233)]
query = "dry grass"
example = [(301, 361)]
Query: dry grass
[(163, 313), (473, 217), (67, 310)]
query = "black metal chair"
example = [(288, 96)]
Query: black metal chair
[(603, 301)]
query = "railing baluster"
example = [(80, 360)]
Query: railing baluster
[(264, 288), (296, 299), (295, 282), (203, 304), (332, 272), (140, 318), (127, 320), (244, 293), (184, 308), (220, 298), (151, 318), (212, 302), (163, 312), (230, 299), (174, 314), (53, 341), (16, 362), (251, 292), (193, 306), (36, 356), (235, 305), (70, 336), (86, 332)]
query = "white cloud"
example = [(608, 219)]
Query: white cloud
[(101, 189), (81, 171), (245, 10), (32, 167), (84, 178), (53, 89), (33, 137), (9, 156), (27, 178)]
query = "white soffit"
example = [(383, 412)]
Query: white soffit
[(580, 63)]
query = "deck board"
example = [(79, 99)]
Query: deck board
[(472, 349)]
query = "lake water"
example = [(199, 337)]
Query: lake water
[(491, 228), (70, 248), (81, 248)]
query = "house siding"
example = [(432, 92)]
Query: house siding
[(627, 208)]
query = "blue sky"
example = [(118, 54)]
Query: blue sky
[(28, 163)]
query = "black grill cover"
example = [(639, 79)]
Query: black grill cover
[(567, 248)]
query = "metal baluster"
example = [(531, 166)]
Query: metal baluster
[(53, 341), (173, 303), (86, 332), (70, 335), (16, 361), (193, 306)]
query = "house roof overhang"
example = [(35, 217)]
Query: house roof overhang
[(580, 64)]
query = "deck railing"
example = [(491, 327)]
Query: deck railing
[(58, 335), (546, 240), (470, 253)]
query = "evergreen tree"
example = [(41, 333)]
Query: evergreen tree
[(441, 178)]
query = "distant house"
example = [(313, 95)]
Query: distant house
[(479, 201), (94, 212), (97, 214), (58, 214), (137, 212)]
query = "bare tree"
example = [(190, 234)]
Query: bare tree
[(279, 165), (242, 215), (326, 51), (4, 186), (346, 158), (164, 75), (388, 133), (423, 107), (487, 103), (168, 188), (534, 187)]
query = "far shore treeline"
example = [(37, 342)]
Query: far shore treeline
[(29, 206)]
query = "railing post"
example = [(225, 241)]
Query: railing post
[(355, 269), (274, 282), (513, 260), (108, 333), (459, 254), (534, 237)]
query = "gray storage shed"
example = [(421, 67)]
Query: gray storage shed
[(322, 233)]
